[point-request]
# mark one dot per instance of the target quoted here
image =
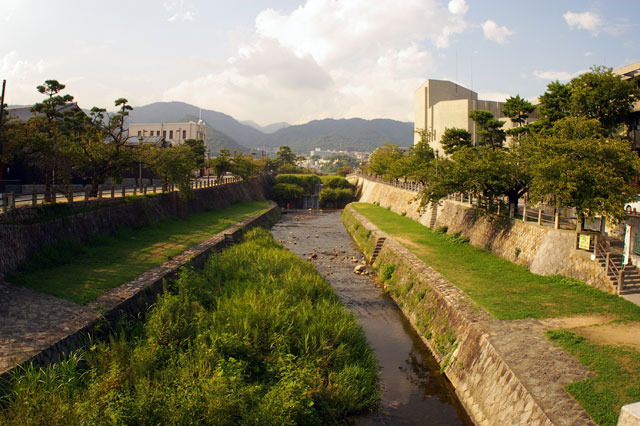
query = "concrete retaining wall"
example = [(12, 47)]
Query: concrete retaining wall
[(27, 229), (458, 333), (544, 250)]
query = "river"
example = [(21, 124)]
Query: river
[(414, 392)]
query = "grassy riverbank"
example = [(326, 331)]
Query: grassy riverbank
[(80, 272), (504, 289), (511, 292), (257, 337)]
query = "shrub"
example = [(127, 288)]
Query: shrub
[(386, 272), (336, 197), (307, 182), (286, 192), (335, 182)]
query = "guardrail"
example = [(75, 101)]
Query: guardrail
[(10, 201)]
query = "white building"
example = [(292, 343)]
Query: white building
[(441, 105), (175, 133)]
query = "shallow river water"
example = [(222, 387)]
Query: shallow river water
[(414, 392)]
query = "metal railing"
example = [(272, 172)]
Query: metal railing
[(10, 201)]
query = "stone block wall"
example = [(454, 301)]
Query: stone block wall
[(542, 249), (24, 232)]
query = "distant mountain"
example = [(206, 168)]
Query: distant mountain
[(270, 128), (354, 134), (170, 111)]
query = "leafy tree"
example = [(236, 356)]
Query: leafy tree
[(489, 131), (554, 104), (593, 174), (454, 139), (344, 171), (518, 110), (384, 161), (199, 150), (244, 165), (173, 165), (286, 156), (222, 163), (102, 143), (604, 96)]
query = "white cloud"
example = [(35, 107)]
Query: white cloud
[(328, 58), (22, 77), (458, 7), (587, 54), (178, 10), (494, 32), (493, 96), (557, 75), (589, 21)]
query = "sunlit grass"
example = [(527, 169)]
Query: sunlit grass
[(81, 272), (257, 338), (506, 290)]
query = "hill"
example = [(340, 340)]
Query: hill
[(354, 134), (270, 128), (170, 111)]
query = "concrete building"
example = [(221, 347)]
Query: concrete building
[(440, 105), (629, 72), (174, 133)]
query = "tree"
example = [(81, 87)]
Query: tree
[(592, 174), (554, 104), (604, 96), (173, 165), (489, 131), (518, 110), (454, 139), (286, 156), (102, 143), (384, 160), (199, 150), (221, 164), (244, 165)]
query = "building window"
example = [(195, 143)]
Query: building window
[(139, 133), (184, 134), (164, 133), (170, 134)]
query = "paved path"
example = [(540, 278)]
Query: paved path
[(31, 322), (634, 298)]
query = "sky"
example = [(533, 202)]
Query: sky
[(300, 60)]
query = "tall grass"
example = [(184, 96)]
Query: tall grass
[(257, 337)]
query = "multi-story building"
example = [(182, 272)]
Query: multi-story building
[(629, 72), (174, 133), (440, 105)]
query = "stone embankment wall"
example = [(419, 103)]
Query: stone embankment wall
[(134, 297), (542, 249), (461, 336), (24, 231)]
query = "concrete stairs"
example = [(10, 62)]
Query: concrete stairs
[(434, 215), (376, 249), (228, 240), (630, 274)]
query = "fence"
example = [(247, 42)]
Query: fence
[(542, 214), (10, 201)]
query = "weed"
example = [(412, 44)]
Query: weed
[(386, 272), (518, 251)]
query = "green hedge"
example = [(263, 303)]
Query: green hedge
[(307, 182), (335, 182)]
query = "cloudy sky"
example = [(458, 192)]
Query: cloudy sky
[(298, 60)]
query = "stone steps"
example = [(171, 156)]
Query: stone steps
[(377, 248)]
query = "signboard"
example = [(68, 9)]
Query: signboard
[(584, 243)]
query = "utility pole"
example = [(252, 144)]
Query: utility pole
[(4, 85)]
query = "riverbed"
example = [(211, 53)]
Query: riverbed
[(413, 391)]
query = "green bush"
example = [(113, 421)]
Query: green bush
[(307, 182), (287, 192), (257, 337), (335, 182), (336, 197)]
